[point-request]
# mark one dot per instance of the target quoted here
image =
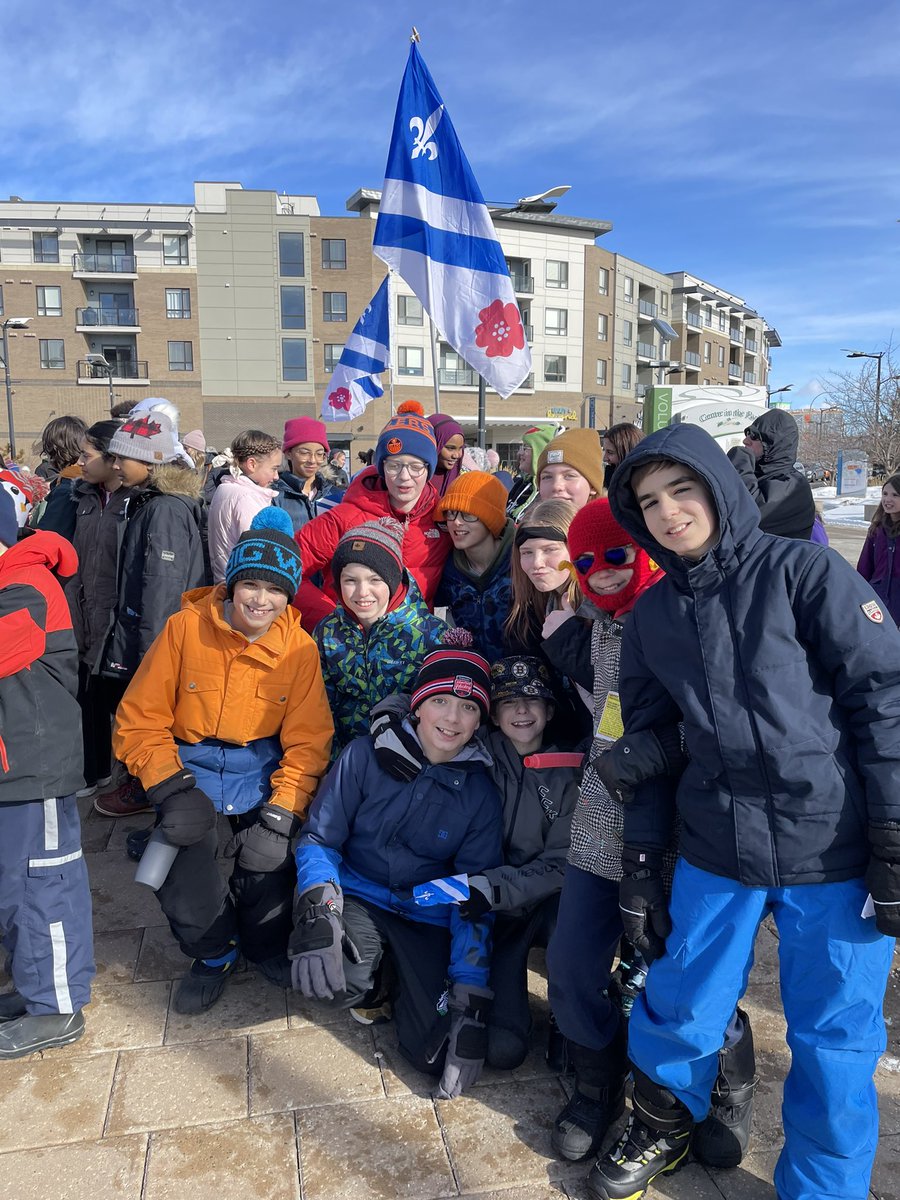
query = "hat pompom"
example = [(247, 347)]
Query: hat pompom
[(273, 518), (411, 406), (458, 637)]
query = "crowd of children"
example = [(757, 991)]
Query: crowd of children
[(637, 725)]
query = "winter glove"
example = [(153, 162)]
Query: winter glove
[(186, 814), (883, 878), (467, 1044), (642, 902), (480, 899), (636, 757), (316, 946), (265, 846), (396, 750)]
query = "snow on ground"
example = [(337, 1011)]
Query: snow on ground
[(845, 510)]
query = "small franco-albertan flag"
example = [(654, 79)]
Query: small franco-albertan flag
[(452, 889), (435, 231), (366, 354)]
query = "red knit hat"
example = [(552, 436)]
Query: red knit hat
[(594, 533), (304, 429), (454, 672)]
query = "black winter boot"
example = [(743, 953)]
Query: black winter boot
[(656, 1142), (721, 1140), (597, 1102), (557, 1054)]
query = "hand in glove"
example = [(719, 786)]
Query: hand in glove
[(186, 814), (396, 750), (642, 902), (265, 846), (636, 757), (316, 945), (480, 899), (883, 878), (556, 618), (467, 1043)]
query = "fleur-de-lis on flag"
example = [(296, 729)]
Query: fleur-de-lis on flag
[(423, 131)]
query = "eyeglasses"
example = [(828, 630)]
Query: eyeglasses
[(454, 514), (752, 435), (318, 455), (414, 470), (616, 556)]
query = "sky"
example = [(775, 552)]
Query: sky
[(757, 146)]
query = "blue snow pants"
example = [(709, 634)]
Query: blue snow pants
[(833, 969), (45, 905)]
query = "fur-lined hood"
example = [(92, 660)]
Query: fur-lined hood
[(174, 479)]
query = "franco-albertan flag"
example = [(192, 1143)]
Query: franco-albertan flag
[(366, 354), (434, 230)]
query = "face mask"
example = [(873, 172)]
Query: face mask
[(596, 543)]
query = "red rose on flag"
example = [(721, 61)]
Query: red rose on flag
[(340, 398), (500, 331)]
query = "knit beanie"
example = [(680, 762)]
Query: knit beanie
[(577, 448), (377, 545), (593, 531), (407, 433), (474, 459), (451, 671), (478, 493), (304, 429), (520, 675), (9, 520), (195, 440), (102, 432), (149, 439), (266, 551), (536, 439)]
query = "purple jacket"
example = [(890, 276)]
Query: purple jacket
[(880, 564)]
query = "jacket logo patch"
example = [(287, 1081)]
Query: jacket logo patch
[(167, 555), (550, 812), (463, 685), (442, 833), (872, 611), (432, 533)]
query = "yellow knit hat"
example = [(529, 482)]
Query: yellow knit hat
[(577, 448), (478, 493)]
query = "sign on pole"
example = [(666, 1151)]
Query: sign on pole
[(852, 473)]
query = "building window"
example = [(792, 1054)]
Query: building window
[(334, 306), (53, 354), (556, 321), (723, 320), (332, 355), (601, 372), (602, 327), (410, 360), (46, 247), (181, 356), (707, 314), (557, 274), (49, 301), (629, 288), (409, 310), (627, 333), (293, 358), (293, 306), (290, 254), (707, 352), (175, 250), (720, 352), (603, 282), (664, 303), (178, 303), (334, 254), (626, 377), (554, 368)]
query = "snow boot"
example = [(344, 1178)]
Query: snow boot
[(597, 1102), (205, 981), (30, 1033), (557, 1054), (721, 1140)]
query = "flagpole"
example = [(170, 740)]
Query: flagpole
[(434, 366), (391, 337)]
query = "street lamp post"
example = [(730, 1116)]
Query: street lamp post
[(777, 391), (11, 323), (879, 355)]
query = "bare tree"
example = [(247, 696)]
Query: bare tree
[(870, 422)]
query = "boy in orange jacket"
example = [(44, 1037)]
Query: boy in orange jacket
[(228, 713)]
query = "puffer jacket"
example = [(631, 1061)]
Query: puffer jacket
[(202, 680), (538, 804), (160, 558), (425, 547), (290, 496), (787, 676), (782, 494), (92, 592), (235, 503), (481, 603), (880, 564), (360, 668), (377, 838)]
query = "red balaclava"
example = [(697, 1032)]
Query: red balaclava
[(593, 531)]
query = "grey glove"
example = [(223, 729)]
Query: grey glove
[(396, 751), (265, 846), (467, 1043), (636, 757), (316, 945)]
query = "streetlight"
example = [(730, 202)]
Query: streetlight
[(787, 387), (879, 355), (11, 323), (99, 360)]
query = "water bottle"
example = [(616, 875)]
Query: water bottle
[(156, 861)]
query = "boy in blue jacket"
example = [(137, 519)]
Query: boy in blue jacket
[(779, 661), (370, 840)]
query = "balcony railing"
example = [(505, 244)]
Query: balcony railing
[(118, 370), (522, 283), (464, 377), (694, 320), (751, 344), (735, 335), (105, 264), (734, 370), (106, 316), (646, 350), (750, 377), (647, 309), (642, 389), (691, 358), (527, 383)]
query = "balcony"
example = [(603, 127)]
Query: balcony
[(463, 377), (642, 389), (522, 284), (104, 266), (751, 377), (121, 372), (734, 370), (751, 345), (694, 320), (691, 359), (735, 335), (529, 333), (91, 320), (647, 309), (527, 384), (646, 350)]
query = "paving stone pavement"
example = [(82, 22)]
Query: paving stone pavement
[(260, 1099)]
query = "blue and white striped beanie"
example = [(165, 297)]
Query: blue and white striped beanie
[(266, 551)]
